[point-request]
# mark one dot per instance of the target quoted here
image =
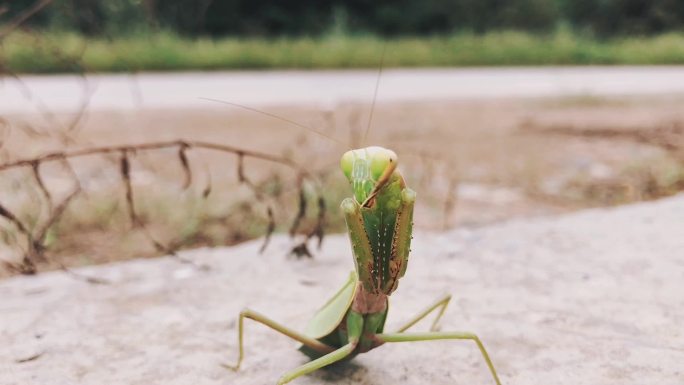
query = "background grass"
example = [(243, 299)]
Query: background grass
[(68, 52)]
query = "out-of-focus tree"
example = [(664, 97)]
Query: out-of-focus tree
[(268, 17), (447, 16), (10, 9), (382, 17), (625, 17)]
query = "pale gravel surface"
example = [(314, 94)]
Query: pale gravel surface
[(595, 297)]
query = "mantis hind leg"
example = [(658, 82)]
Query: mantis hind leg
[(308, 341), (318, 363), (441, 304), (412, 337)]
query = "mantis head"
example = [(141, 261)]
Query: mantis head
[(368, 170)]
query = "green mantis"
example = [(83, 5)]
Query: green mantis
[(379, 220)]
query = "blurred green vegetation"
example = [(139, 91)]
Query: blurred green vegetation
[(158, 35), (70, 52)]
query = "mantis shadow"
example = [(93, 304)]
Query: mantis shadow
[(346, 370)]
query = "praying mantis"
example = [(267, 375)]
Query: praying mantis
[(379, 220)]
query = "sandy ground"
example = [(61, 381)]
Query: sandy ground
[(595, 297)]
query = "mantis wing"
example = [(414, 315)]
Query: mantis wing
[(332, 313)]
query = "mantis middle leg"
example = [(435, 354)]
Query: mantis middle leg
[(308, 341), (441, 304), (411, 337)]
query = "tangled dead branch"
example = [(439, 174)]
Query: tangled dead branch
[(36, 237)]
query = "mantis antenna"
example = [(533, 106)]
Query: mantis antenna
[(375, 93), (311, 129), (274, 116)]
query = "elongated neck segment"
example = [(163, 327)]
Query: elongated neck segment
[(366, 302), (379, 220)]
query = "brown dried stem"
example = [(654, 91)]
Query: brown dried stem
[(35, 169), (125, 169), (57, 155), (183, 158), (56, 213), (301, 211)]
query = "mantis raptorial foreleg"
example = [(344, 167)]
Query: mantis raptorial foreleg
[(432, 336), (318, 363), (310, 342), (441, 304)]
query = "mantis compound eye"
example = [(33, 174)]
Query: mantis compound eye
[(380, 160), (347, 163)]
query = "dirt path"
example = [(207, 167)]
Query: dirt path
[(594, 297), (183, 90)]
